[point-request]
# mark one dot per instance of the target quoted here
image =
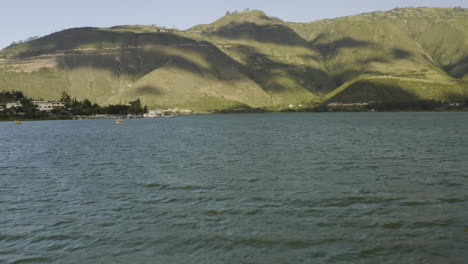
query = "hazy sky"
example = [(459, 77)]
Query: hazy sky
[(20, 19)]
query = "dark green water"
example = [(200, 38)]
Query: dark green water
[(268, 188)]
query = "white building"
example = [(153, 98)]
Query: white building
[(13, 104), (154, 113), (48, 105)]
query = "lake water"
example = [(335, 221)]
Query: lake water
[(260, 188)]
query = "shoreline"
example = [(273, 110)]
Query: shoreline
[(231, 113)]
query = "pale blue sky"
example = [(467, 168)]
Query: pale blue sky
[(20, 19)]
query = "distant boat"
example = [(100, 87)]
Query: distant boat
[(18, 122), (119, 122)]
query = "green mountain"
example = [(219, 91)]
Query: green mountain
[(247, 59)]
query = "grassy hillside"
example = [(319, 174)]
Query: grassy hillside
[(247, 59), (114, 65), (275, 56), (406, 48)]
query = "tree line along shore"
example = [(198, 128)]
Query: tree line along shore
[(14, 105)]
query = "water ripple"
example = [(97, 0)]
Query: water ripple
[(279, 188)]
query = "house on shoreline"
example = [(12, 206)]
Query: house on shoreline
[(13, 105), (48, 105)]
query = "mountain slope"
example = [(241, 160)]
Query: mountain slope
[(395, 46), (163, 68), (247, 59), (277, 58)]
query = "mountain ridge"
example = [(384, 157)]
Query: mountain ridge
[(248, 59)]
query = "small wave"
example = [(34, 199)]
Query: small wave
[(432, 223), (382, 250), (157, 185), (452, 200), (453, 184), (371, 211), (31, 260), (370, 251), (319, 254), (220, 199), (122, 208), (414, 203), (59, 223), (162, 186), (297, 243), (191, 188), (325, 224), (393, 225), (348, 201), (104, 164), (214, 212), (10, 238), (255, 242), (171, 200), (57, 246), (51, 238), (253, 212)]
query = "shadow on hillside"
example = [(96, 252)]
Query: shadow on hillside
[(134, 63), (373, 59), (344, 76), (263, 71), (275, 34), (388, 95), (80, 39), (150, 53), (452, 97), (148, 90), (311, 58), (458, 69), (332, 47), (401, 54)]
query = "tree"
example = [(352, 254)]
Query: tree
[(136, 108), (18, 95), (29, 109), (66, 99)]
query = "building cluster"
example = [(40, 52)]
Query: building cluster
[(158, 113), (48, 105), (41, 105), (166, 112), (13, 104)]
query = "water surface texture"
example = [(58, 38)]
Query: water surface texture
[(260, 188)]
